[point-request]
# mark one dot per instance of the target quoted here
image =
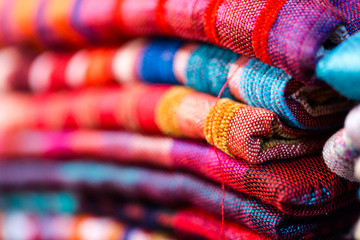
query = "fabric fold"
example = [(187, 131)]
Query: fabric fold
[(254, 134), (299, 186), (203, 67), (342, 151), (273, 31), (165, 188)]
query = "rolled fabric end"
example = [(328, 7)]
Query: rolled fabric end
[(357, 170), (340, 68), (298, 35), (352, 126), (339, 156)]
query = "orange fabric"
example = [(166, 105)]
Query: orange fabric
[(98, 73), (55, 12), (25, 13)]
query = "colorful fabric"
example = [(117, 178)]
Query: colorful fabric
[(80, 227), (342, 150), (254, 134), (203, 67), (299, 187), (340, 67), (341, 156), (184, 222), (187, 224), (164, 188), (273, 31), (351, 10), (40, 202)]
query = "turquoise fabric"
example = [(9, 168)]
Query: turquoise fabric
[(340, 68)]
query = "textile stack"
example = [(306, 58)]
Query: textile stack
[(179, 119)]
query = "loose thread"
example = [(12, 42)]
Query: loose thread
[(217, 155)]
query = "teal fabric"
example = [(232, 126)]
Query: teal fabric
[(340, 68)]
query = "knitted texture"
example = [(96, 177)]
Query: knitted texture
[(299, 187), (164, 188), (339, 68), (287, 34), (342, 150), (203, 67), (251, 133)]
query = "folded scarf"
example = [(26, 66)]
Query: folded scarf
[(273, 31), (203, 67), (134, 182), (342, 150), (187, 222), (251, 133), (299, 187), (340, 67), (60, 226)]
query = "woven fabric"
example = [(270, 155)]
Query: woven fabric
[(299, 187), (203, 67), (164, 188), (350, 8), (185, 222), (341, 156), (287, 34), (339, 68), (342, 150), (251, 133), (60, 226)]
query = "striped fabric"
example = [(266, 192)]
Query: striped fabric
[(203, 67), (254, 134), (300, 187), (84, 204), (287, 34), (165, 188), (187, 224), (80, 227)]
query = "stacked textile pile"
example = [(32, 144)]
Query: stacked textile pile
[(108, 130)]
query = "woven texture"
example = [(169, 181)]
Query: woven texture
[(203, 67), (342, 151), (187, 224), (61, 208), (341, 156), (299, 186), (350, 8), (251, 133), (164, 188), (340, 67), (286, 34)]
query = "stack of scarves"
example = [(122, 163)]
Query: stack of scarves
[(108, 130)]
